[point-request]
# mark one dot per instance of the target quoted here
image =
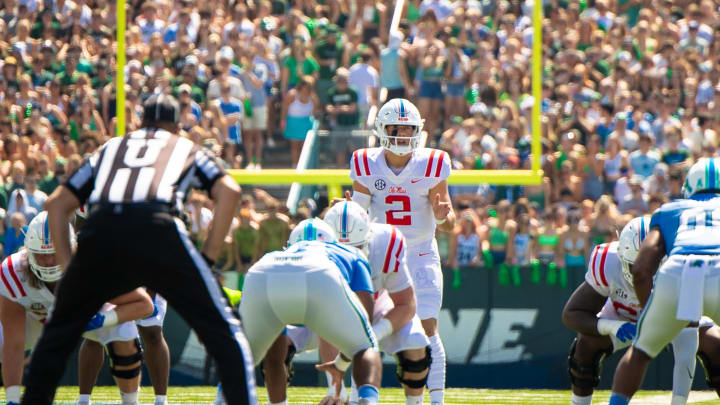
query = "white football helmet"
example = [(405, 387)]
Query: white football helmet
[(350, 222), (631, 237), (703, 175), (398, 111), (312, 229), (41, 252)]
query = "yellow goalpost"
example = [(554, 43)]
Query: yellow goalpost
[(335, 178)]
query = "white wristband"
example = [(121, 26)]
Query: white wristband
[(12, 394), (440, 221), (608, 327), (362, 199), (341, 364), (382, 329)]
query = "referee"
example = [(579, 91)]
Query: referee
[(135, 185)]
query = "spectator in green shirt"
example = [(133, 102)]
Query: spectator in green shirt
[(69, 76), (299, 63), (50, 181)]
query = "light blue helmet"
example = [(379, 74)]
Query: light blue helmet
[(703, 175), (312, 229)]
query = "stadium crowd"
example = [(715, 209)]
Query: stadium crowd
[(628, 102)]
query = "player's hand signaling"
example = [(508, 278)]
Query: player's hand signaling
[(441, 209), (348, 197), (337, 381)]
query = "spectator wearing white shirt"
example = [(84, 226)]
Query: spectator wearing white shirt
[(35, 197), (365, 79), (442, 8), (223, 64), (240, 23)]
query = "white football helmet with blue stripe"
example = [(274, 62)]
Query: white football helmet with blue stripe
[(312, 229), (703, 175), (631, 237), (350, 221), (41, 252), (398, 111)]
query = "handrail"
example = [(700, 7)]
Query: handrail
[(303, 163)]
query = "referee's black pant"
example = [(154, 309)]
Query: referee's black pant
[(119, 250)]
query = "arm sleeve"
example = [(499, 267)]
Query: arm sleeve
[(361, 280), (438, 168), (592, 276), (358, 170), (208, 170)]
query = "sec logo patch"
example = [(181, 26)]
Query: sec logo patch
[(380, 184)]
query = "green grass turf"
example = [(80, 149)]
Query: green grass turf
[(304, 395)]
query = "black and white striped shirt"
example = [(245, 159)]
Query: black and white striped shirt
[(146, 166)]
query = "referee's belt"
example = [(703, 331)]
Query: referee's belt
[(132, 208)]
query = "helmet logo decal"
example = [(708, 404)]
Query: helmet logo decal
[(46, 231), (402, 113), (711, 174), (380, 184)]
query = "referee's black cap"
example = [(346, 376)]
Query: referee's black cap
[(161, 107)]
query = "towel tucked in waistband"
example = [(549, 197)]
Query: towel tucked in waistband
[(692, 287)]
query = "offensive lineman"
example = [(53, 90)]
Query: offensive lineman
[(686, 286), (397, 327), (406, 186), (325, 287), (604, 311), (28, 279)]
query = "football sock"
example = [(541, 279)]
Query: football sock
[(160, 399), (84, 399), (618, 399), (436, 376), (129, 398), (413, 400), (684, 347), (368, 394), (678, 400), (578, 400)]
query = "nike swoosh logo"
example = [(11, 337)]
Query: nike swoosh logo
[(413, 181), (424, 254)]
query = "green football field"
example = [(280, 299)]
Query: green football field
[(300, 395)]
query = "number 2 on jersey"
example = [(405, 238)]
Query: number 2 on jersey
[(395, 216)]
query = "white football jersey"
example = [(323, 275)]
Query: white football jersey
[(605, 275), (15, 286), (402, 200)]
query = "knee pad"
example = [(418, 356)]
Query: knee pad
[(712, 371), (413, 366), (118, 360), (587, 376)]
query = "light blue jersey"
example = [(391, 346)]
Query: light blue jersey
[(350, 261), (690, 226)]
